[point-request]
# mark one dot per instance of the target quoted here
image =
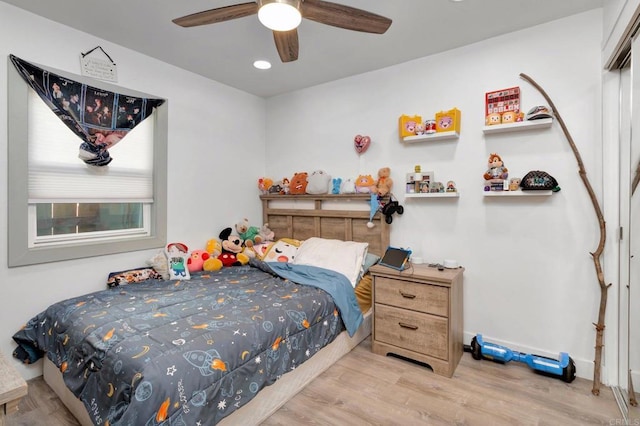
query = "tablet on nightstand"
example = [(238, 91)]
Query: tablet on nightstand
[(396, 258)]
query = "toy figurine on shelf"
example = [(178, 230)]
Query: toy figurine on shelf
[(451, 186), (496, 174), (514, 184)]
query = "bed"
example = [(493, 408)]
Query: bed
[(217, 368)]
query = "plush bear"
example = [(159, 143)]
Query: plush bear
[(250, 234), (298, 184), (384, 182), (318, 182), (232, 249)]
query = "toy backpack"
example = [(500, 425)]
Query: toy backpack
[(539, 180)]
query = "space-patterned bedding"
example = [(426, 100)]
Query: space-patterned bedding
[(189, 352)]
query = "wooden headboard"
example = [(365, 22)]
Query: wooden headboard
[(342, 217)]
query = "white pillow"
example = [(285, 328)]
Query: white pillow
[(345, 257)]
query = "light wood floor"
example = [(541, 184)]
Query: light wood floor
[(367, 389)]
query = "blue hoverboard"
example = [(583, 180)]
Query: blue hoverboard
[(563, 369)]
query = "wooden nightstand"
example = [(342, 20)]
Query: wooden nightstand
[(418, 315), (12, 388)]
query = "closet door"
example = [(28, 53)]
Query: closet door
[(634, 234), (630, 243)]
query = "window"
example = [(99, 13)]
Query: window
[(60, 208)]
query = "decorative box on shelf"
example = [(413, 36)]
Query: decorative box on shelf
[(446, 125), (447, 121)]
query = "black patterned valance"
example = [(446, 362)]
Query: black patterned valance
[(99, 117)]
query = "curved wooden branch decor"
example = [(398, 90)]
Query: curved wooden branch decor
[(596, 254)]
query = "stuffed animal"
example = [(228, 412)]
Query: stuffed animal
[(365, 184), (514, 184), (286, 184), (493, 118), (213, 247), (336, 183), (508, 117), (496, 172), (298, 184), (266, 233), (384, 183), (264, 183), (276, 188), (348, 186), (196, 260), (177, 255), (232, 249), (250, 234), (318, 182), (283, 250)]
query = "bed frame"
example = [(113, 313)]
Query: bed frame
[(300, 217)]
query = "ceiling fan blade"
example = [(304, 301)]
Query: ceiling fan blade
[(287, 44), (219, 14), (346, 17)]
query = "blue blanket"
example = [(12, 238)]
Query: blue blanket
[(334, 283)]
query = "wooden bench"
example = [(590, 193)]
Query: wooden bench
[(12, 388)]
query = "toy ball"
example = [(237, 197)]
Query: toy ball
[(361, 143)]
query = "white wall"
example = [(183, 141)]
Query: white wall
[(529, 280), (210, 151)]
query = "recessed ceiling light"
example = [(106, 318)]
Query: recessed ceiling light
[(262, 65)]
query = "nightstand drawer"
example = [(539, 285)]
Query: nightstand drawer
[(418, 332), (430, 299)]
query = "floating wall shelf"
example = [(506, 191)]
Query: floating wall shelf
[(433, 195), (517, 193), (431, 137), (516, 127)]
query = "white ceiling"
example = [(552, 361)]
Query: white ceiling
[(225, 51)]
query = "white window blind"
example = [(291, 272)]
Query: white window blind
[(57, 175)]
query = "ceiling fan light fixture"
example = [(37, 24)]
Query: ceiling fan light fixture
[(279, 15)]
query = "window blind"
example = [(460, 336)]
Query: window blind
[(56, 174)]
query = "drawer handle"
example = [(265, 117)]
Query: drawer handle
[(409, 326), (407, 295)]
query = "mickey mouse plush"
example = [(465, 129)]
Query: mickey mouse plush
[(232, 248)]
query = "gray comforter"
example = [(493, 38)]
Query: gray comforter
[(189, 352)]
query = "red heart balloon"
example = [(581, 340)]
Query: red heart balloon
[(361, 143)]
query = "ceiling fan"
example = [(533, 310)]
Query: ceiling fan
[(272, 13)]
